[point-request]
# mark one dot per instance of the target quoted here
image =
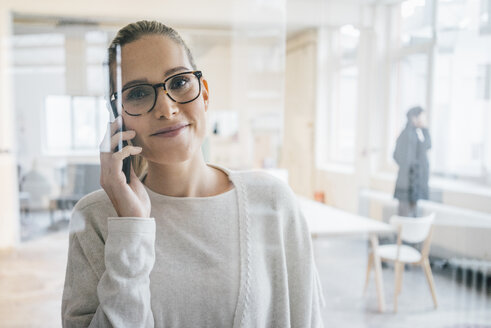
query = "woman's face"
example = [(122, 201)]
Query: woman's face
[(151, 59), (420, 120)]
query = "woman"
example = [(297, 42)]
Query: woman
[(185, 243), (411, 154)]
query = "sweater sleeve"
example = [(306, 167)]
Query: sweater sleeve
[(306, 299), (119, 295)]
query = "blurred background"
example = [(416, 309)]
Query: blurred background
[(313, 91)]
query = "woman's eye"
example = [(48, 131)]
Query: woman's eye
[(137, 93), (178, 83)]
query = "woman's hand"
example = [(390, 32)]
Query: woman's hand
[(129, 200)]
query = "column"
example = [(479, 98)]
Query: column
[(9, 194)]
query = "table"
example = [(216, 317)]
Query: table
[(326, 221)]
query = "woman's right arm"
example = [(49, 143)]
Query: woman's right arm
[(108, 284)]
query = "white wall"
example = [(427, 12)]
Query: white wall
[(9, 204), (300, 103)]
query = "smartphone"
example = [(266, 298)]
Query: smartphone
[(116, 107)]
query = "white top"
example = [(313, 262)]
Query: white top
[(240, 259), (197, 244)]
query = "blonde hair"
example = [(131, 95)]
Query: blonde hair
[(140, 165), (133, 32)]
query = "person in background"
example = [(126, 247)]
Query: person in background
[(185, 243), (411, 155)]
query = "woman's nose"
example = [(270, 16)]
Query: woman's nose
[(164, 106)]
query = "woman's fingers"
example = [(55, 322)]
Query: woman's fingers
[(114, 136), (112, 164), (120, 136), (115, 160), (128, 200), (125, 152), (112, 128)]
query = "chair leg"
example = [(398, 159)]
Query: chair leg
[(429, 278), (401, 274), (369, 268), (397, 278)]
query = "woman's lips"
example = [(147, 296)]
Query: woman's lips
[(171, 133)]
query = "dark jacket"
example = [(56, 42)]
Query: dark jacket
[(411, 156)]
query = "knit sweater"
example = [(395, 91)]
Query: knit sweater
[(239, 259)]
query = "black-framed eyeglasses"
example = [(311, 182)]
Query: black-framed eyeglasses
[(139, 99)]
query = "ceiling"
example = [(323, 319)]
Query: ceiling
[(209, 17)]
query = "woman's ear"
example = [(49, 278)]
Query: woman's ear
[(206, 93)]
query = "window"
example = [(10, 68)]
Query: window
[(95, 55), (343, 105), (462, 89), (410, 81), (416, 24), (49, 70), (342, 120), (74, 125), (444, 65)]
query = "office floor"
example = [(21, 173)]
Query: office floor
[(31, 283), (342, 266)]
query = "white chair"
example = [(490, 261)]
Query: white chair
[(411, 230)]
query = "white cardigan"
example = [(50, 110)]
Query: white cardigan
[(278, 287)]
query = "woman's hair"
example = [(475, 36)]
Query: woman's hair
[(133, 32), (414, 112)]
